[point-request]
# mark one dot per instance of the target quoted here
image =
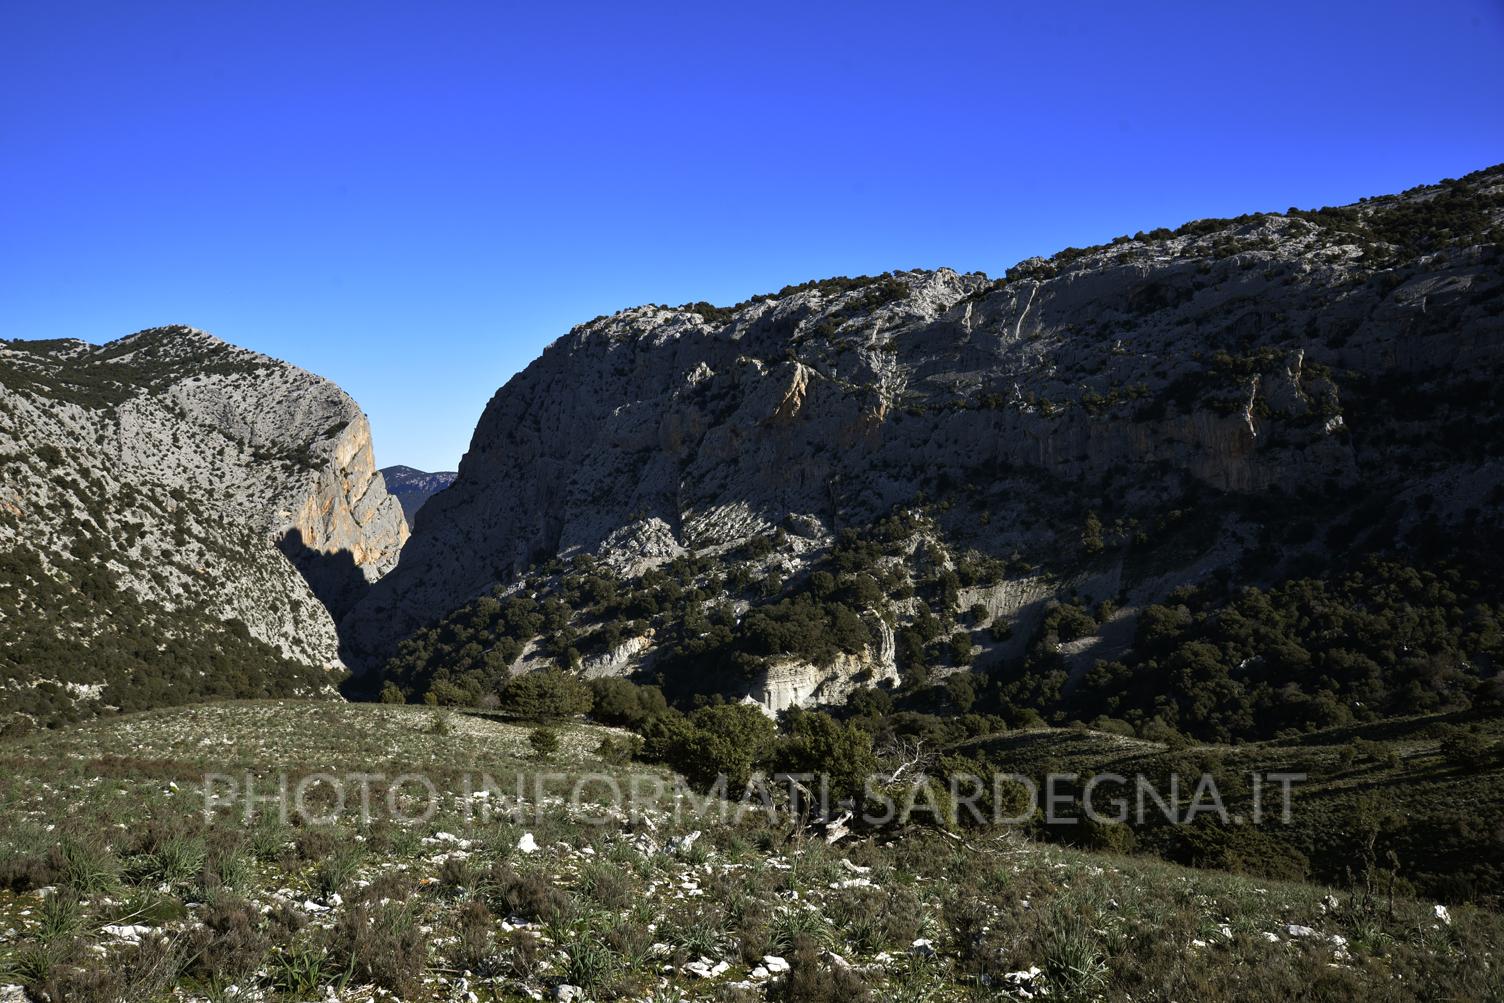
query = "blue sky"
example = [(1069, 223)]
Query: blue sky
[(414, 199)]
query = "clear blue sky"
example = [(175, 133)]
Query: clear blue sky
[(413, 199)]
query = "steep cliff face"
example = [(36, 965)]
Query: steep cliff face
[(1252, 358), (165, 471)]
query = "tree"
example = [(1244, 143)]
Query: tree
[(1091, 534), (622, 702), (817, 743), (870, 702), (961, 688), (545, 696), (444, 693), (909, 649), (727, 739), (666, 737), (960, 648)]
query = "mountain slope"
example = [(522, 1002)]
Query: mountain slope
[(159, 497), (1111, 423), (414, 487)]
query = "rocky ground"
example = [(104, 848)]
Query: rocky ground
[(118, 887)]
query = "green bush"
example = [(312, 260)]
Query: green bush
[(818, 743), (1239, 848), (622, 702), (961, 690), (545, 742), (730, 740), (1467, 750), (619, 750)]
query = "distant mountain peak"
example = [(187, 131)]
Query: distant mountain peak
[(412, 487)]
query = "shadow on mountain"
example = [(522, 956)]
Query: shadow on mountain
[(333, 576)]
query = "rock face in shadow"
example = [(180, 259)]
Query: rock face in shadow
[(1235, 359), (214, 484)]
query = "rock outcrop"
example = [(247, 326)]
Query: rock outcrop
[(1233, 359), (207, 484)]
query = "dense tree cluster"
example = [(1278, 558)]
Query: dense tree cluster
[(1312, 653), (470, 652), (568, 613)]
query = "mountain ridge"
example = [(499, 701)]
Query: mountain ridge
[(413, 487), (1271, 357)]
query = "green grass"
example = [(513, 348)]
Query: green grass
[(449, 905)]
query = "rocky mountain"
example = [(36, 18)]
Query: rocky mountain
[(414, 487), (179, 516), (859, 481)]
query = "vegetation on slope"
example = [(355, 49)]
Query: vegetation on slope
[(135, 893)]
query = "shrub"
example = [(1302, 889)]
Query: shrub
[(961, 690), (622, 702), (727, 739), (385, 943), (1467, 750), (619, 750), (960, 648), (1068, 622), (230, 944), (665, 736), (530, 896), (474, 946), (1091, 534), (1242, 849), (813, 980), (545, 742)]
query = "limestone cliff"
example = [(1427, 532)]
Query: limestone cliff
[(176, 466), (1062, 421)]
